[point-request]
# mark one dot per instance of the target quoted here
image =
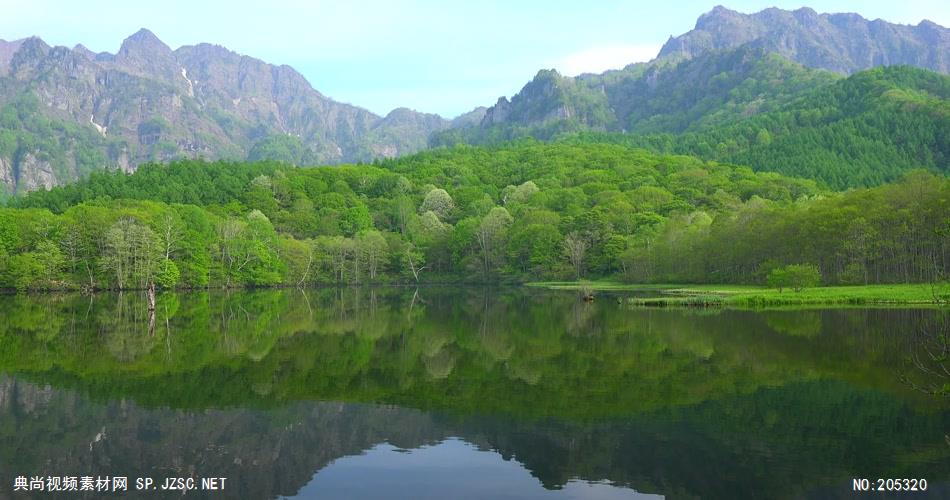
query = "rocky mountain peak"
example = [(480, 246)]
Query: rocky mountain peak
[(717, 15), (843, 43), (144, 54), (471, 118), (544, 84), (84, 51), (7, 49), (402, 114), (29, 54), (149, 103), (806, 16), (144, 41), (33, 47), (497, 113)]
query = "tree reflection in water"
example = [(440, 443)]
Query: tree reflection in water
[(268, 387)]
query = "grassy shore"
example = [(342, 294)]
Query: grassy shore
[(600, 286), (749, 295)]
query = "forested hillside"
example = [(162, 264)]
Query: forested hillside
[(755, 109), (524, 211), (865, 130)]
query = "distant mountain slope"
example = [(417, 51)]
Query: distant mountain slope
[(748, 89), (864, 130), (729, 67), (65, 112), (7, 49), (667, 95), (844, 43)]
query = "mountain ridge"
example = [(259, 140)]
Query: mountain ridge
[(704, 91), (669, 95), (840, 42), (66, 112), (148, 102), (772, 30)]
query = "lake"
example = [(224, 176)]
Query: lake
[(448, 392)]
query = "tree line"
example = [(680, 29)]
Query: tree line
[(512, 213)]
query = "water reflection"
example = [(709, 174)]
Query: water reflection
[(273, 389), (450, 469)]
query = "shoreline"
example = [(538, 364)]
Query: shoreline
[(718, 295), (316, 286), (662, 294)]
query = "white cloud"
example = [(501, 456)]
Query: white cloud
[(602, 58)]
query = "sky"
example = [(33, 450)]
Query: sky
[(437, 56)]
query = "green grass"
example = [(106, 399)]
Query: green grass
[(754, 296), (600, 286), (685, 301), (867, 294)]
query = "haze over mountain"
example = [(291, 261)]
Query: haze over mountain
[(66, 112)]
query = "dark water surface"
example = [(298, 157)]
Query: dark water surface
[(469, 393)]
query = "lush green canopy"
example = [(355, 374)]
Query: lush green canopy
[(522, 211)]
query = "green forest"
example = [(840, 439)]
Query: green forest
[(860, 131), (517, 212)]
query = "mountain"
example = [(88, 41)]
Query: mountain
[(665, 95), (867, 129), (844, 43), (7, 49), (764, 90), (729, 67), (65, 112)]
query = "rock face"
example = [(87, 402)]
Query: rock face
[(6, 173), (543, 98), (403, 130), (7, 49), (35, 173), (473, 117), (497, 113), (550, 97), (844, 43), (77, 111)]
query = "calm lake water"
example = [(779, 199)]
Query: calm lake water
[(469, 393)]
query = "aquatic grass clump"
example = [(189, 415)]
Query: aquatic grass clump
[(792, 300), (687, 301)]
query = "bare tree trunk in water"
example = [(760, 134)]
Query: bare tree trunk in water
[(151, 308), (414, 296), (306, 273)]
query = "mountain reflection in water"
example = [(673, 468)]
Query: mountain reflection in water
[(452, 392), (450, 469)]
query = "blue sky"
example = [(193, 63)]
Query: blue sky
[(435, 56)]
